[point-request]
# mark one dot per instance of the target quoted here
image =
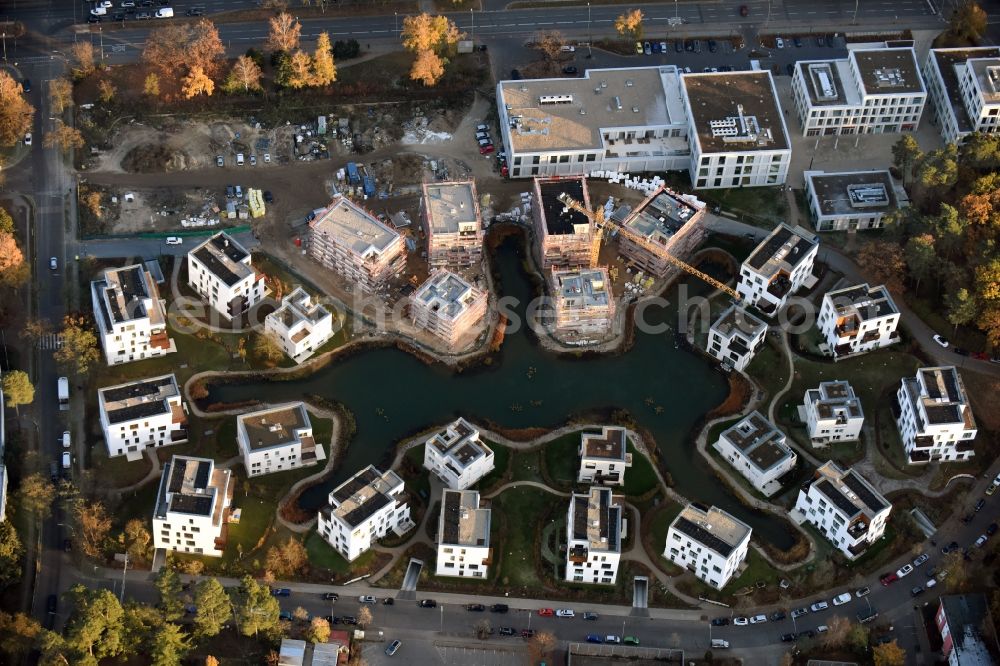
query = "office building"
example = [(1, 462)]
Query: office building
[(964, 87), (852, 200), (131, 322)]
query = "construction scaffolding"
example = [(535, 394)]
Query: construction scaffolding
[(565, 236)]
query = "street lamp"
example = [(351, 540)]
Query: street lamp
[(472, 24), (442, 618)]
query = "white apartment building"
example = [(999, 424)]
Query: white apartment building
[(871, 91), (777, 268), (350, 241), (130, 319), (757, 450), (736, 337), (628, 119), (454, 225), (463, 535), (736, 129), (277, 439), (709, 543), (595, 525), (457, 456), (858, 319), (964, 87), (448, 307), (832, 413), (934, 416), (363, 509), (583, 304), (852, 200), (604, 457), (147, 413), (192, 507), (220, 271), (842, 505), (725, 129), (300, 325)]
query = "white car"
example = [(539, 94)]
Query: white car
[(253, 160), (27, 139), (863, 592), (741, 621), (931, 582), (842, 599), (565, 612), (66, 463), (267, 158), (921, 559), (174, 240), (99, 11), (53, 263), (779, 42), (612, 639), (819, 606), (981, 541), (104, 4), (758, 619), (65, 440), (165, 12), (905, 570), (366, 599), (239, 159), (941, 341)]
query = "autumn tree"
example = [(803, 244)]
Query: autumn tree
[(18, 634), (13, 270), (243, 77), (36, 494), (938, 169), (837, 630), (137, 541), (213, 605), (968, 22), (883, 261), (541, 646), (295, 70), (857, 637), (284, 33), (629, 24), (197, 82), (106, 91), (286, 560), (93, 524), (256, 609), (428, 68), (60, 95), (323, 68), (318, 631), (83, 56), (17, 389), (11, 551), (905, 153), (64, 137), (79, 349), (989, 323), (267, 349), (888, 654), (957, 573), (550, 43), (429, 33), (16, 114), (151, 86), (364, 617)]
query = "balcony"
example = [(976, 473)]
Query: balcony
[(159, 340), (779, 286), (923, 442), (577, 554), (919, 456)]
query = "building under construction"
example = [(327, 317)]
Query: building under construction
[(583, 303), (454, 224), (565, 237), (351, 241), (665, 224), (447, 306)]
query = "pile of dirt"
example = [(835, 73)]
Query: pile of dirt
[(153, 158)]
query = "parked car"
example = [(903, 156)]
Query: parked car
[(720, 622), (991, 529), (268, 197), (797, 41), (499, 608), (26, 85), (476, 608), (393, 648), (916, 591), (787, 638), (253, 160), (285, 616), (486, 150), (904, 570), (239, 159), (330, 596), (663, 47), (638, 48), (166, 12), (744, 10), (507, 631), (820, 40), (808, 633), (565, 612), (980, 542), (594, 638), (842, 599), (590, 616), (174, 240), (65, 439), (819, 606), (366, 599), (799, 612), (527, 633), (941, 341), (27, 139), (647, 49), (612, 639), (267, 158), (758, 619), (779, 42), (979, 505), (280, 592), (931, 583), (712, 46), (741, 621), (992, 488), (349, 619), (863, 592), (142, 16), (950, 547), (570, 70), (960, 351), (546, 612), (777, 616), (630, 640), (388, 601), (888, 579), (427, 603), (923, 557)]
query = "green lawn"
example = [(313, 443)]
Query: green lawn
[(758, 569), (418, 483), (526, 466), (761, 206), (256, 516), (321, 554), (562, 458), (501, 462), (522, 509), (116, 472), (640, 478), (769, 369)]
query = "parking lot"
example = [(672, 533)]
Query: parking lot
[(447, 653)]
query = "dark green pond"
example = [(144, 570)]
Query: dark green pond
[(392, 395)]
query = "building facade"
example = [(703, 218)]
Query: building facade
[(144, 414), (666, 224), (454, 225), (777, 268), (220, 271), (564, 237), (708, 542), (362, 510), (463, 535), (350, 241), (276, 439), (736, 337), (833, 413), (852, 200), (457, 456), (595, 527), (858, 319), (448, 306), (967, 629), (131, 323), (192, 507), (583, 304), (872, 91), (300, 326), (842, 505), (757, 450), (934, 418), (604, 457), (964, 91)]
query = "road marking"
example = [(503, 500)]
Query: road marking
[(50, 341)]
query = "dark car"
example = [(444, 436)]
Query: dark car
[(787, 638), (744, 10), (476, 608), (590, 616), (777, 616), (696, 45), (960, 351), (52, 605), (808, 633), (916, 591), (196, 11), (332, 619), (388, 601), (120, 16), (689, 45), (570, 69), (142, 16), (679, 46), (428, 603), (950, 547), (507, 631), (991, 530), (790, 68), (268, 197), (93, 19), (280, 592), (26, 85), (820, 40), (712, 46), (797, 41), (720, 622), (516, 75), (349, 619), (967, 518), (330, 596), (499, 608), (979, 505), (527, 633), (68, 545)]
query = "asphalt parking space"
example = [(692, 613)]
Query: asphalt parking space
[(455, 655)]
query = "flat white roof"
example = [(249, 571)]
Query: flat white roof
[(352, 226), (451, 207)]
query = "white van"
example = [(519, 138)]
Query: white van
[(239, 159), (65, 439), (718, 643), (165, 12), (65, 460)]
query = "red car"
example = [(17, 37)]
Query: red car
[(888, 579), (546, 612), (486, 150)]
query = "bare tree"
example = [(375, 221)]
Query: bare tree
[(284, 33)]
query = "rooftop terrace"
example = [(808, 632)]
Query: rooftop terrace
[(277, 426), (446, 294), (361, 496), (735, 112), (759, 440), (782, 251), (597, 519), (138, 400), (462, 521)]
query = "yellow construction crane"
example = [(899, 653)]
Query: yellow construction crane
[(597, 217)]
